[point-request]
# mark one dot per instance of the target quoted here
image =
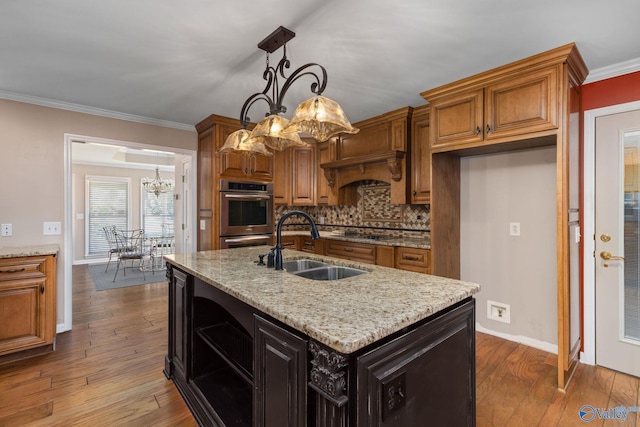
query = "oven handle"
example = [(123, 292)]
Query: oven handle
[(246, 196), (244, 239)]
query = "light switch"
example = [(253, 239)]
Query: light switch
[(51, 228), (514, 228)]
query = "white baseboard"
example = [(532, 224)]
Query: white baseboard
[(92, 261), (521, 339), (60, 328)]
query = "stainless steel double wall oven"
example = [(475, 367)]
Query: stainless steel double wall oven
[(246, 213)]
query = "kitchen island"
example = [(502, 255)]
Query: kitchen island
[(249, 345)]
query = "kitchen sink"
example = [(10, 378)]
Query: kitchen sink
[(319, 270), (329, 272), (301, 264)]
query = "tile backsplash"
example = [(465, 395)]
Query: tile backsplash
[(372, 213)]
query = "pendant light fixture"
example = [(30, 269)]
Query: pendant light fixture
[(319, 117)]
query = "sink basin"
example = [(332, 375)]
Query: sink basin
[(329, 272), (302, 264)]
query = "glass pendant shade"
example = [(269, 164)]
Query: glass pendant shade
[(271, 131), (321, 118), (238, 142)]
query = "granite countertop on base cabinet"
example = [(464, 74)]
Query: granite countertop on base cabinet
[(346, 314), (33, 250)]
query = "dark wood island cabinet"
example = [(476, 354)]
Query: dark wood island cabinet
[(250, 346)]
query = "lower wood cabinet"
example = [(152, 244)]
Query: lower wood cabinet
[(280, 376), (27, 305), (352, 251), (413, 259)]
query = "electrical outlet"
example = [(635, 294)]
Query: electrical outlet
[(51, 228), (321, 220), (394, 394), (7, 230), (514, 228), (499, 311)]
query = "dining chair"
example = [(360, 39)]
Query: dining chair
[(129, 246), (111, 240)]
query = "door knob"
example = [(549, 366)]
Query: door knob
[(605, 238), (608, 257)]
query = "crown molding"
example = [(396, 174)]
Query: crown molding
[(45, 102), (614, 70)]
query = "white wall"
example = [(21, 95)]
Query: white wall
[(520, 271)]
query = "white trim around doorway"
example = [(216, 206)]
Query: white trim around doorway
[(68, 211)]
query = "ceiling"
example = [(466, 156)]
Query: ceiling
[(179, 61)]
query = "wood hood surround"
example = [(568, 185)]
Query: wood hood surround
[(378, 152)]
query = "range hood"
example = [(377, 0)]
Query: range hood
[(378, 152)]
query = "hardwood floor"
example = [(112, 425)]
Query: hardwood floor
[(107, 371)]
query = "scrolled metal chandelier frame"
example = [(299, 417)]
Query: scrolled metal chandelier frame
[(318, 117)]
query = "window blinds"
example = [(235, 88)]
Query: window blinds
[(107, 206)]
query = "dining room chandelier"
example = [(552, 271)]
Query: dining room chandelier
[(319, 117), (157, 185)]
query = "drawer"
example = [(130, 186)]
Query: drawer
[(352, 251), (413, 259), (22, 268), (307, 244), (289, 242)]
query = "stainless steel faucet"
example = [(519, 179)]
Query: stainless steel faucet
[(278, 248)]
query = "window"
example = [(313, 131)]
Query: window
[(107, 201), (157, 213)]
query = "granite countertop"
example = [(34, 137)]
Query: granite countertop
[(411, 242), (33, 250), (346, 314)]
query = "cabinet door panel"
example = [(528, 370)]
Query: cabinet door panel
[(323, 155), (303, 177), (281, 180), (20, 315), (420, 157), (280, 381), (524, 104), (457, 119)]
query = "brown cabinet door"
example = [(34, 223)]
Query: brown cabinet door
[(27, 303), (521, 105), (323, 155), (303, 183), (281, 177), (206, 159), (420, 157), (258, 168), (456, 120)]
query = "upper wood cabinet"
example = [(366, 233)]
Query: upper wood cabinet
[(420, 156), (494, 109), (294, 182), (528, 103), (257, 168)]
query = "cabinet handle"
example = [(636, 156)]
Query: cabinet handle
[(488, 129), (253, 171), (415, 193), (42, 289), (411, 258), (348, 250), (12, 271), (478, 130)]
